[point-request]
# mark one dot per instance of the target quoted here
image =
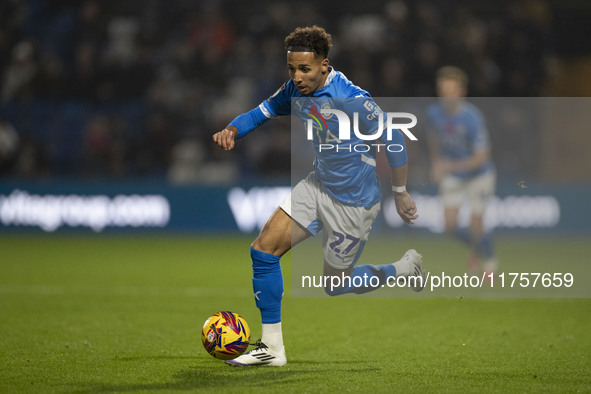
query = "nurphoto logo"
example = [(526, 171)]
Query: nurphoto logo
[(317, 126)]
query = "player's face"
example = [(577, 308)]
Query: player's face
[(450, 88), (451, 92), (307, 71)]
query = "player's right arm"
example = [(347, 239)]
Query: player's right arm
[(239, 127), (434, 145), (225, 138), (437, 163), (278, 104)]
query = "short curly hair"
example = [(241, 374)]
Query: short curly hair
[(309, 39)]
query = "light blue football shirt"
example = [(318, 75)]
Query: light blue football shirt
[(459, 134), (347, 171)]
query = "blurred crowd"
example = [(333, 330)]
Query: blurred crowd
[(135, 88)]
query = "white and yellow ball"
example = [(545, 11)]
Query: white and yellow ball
[(225, 335)]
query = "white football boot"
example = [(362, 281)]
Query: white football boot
[(416, 278), (262, 355)]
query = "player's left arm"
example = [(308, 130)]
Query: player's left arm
[(398, 160), (405, 206), (478, 158), (396, 155)]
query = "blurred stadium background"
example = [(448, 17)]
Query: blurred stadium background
[(112, 98)]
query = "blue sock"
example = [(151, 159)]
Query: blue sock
[(485, 246), (267, 284), (463, 234), (363, 279)]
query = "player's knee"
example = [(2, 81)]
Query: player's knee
[(275, 237), (269, 246), (451, 227), (262, 246)]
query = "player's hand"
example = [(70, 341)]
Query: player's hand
[(225, 138), (406, 208)]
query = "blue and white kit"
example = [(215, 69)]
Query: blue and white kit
[(459, 134), (341, 195)]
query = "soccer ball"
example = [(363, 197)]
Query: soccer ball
[(225, 335)]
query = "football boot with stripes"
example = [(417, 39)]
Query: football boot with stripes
[(416, 277), (262, 355)]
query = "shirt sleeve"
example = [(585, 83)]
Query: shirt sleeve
[(430, 117), (279, 104), (396, 149), (249, 121), (479, 132)]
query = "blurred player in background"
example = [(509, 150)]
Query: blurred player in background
[(461, 164), (341, 196)]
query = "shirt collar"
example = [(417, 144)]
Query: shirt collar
[(331, 75)]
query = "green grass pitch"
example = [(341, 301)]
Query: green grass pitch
[(98, 314)]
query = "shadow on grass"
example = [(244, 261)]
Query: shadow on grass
[(228, 378)]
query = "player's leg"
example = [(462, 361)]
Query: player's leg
[(482, 240), (483, 244), (368, 277), (463, 234), (452, 191), (278, 235), (450, 221), (274, 240), (480, 191), (267, 280), (345, 231)]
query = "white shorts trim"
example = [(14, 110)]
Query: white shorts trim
[(285, 204)]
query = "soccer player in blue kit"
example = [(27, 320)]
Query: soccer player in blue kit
[(461, 164), (341, 196)]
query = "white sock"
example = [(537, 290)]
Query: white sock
[(272, 336), (491, 265)]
